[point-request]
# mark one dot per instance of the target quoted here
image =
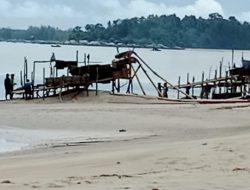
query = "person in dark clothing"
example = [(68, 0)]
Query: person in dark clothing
[(160, 89), (28, 89), (12, 80), (188, 88), (165, 90), (8, 87)]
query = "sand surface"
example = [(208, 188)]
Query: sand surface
[(128, 142)]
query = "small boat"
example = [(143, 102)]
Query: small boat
[(55, 45), (155, 49)]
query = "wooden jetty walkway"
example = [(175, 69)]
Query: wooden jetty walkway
[(125, 66), (235, 83)]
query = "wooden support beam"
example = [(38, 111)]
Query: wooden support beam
[(43, 83), (187, 78), (34, 73), (21, 78), (77, 57), (97, 78), (193, 81), (156, 74), (202, 84), (145, 72), (138, 80), (179, 83), (220, 75)]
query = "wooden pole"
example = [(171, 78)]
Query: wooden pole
[(88, 58), (85, 59), (113, 86), (26, 69), (202, 84), (21, 78), (77, 56), (210, 71), (193, 86), (139, 82), (135, 71), (226, 82), (119, 86), (232, 58), (97, 78), (34, 72), (145, 72), (220, 72), (43, 83), (202, 78), (179, 83), (129, 84), (131, 79)]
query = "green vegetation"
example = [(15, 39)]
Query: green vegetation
[(170, 31)]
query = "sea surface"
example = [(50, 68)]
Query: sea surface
[(170, 64)]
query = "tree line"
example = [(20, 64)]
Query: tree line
[(43, 33), (167, 30)]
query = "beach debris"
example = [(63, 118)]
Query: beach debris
[(122, 130), (54, 185), (114, 175), (35, 186), (6, 182), (155, 189), (126, 188), (240, 169), (204, 144), (118, 163)]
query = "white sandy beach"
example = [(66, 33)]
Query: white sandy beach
[(114, 142)]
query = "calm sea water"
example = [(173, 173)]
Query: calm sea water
[(168, 63)]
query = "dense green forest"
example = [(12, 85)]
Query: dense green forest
[(170, 31)]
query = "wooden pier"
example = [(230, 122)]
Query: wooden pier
[(125, 66), (234, 84)]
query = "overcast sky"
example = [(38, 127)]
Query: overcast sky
[(70, 13)]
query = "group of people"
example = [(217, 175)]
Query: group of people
[(9, 84), (163, 90)]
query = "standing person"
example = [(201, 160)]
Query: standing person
[(12, 84), (28, 89), (8, 87), (165, 90), (188, 89), (160, 89)]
